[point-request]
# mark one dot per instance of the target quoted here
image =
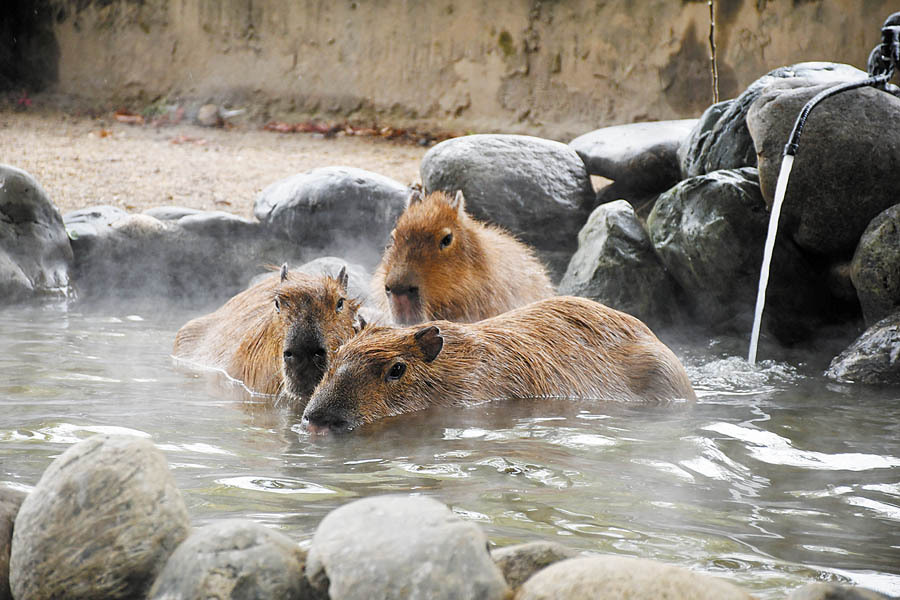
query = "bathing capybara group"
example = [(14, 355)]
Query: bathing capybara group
[(276, 335), (559, 347), (443, 264)]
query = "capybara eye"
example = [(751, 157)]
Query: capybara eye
[(340, 305), (387, 289), (446, 241), (396, 371), (277, 305)]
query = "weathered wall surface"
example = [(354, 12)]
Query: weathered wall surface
[(552, 68)]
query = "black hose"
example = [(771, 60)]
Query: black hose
[(794, 140)]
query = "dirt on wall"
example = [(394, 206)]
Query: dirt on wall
[(552, 68)]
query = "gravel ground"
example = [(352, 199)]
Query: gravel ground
[(83, 162)]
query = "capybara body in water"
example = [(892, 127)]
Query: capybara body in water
[(443, 264), (559, 347), (276, 335)]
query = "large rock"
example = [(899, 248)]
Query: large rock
[(10, 501), (721, 140), (875, 269), (834, 591), (538, 189), (709, 232), (234, 559), (521, 561), (640, 157), (35, 256), (615, 265), (845, 170), (401, 547), (100, 523), (873, 358), (335, 210), (205, 256), (618, 577)]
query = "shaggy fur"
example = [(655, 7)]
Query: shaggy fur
[(247, 337), (559, 347), (482, 272)]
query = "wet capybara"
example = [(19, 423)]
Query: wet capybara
[(443, 264), (275, 336), (559, 347)]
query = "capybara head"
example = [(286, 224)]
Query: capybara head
[(429, 260), (382, 372), (316, 317)]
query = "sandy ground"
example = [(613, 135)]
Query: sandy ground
[(83, 162)]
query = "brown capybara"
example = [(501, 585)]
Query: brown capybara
[(559, 347), (275, 336), (443, 264)]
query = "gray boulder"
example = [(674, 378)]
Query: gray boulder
[(95, 217), (170, 213), (335, 210), (834, 591), (537, 189), (617, 577), (845, 170), (615, 265), (721, 139), (873, 358), (100, 523), (875, 269), (206, 256), (709, 232), (521, 561), (234, 559), (10, 501), (401, 547), (640, 157), (35, 256)]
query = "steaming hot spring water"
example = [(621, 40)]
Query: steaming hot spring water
[(774, 479)]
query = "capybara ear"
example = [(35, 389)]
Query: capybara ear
[(415, 195), (459, 202), (343, 279), (360, 323), (284, 271), (430, 342)]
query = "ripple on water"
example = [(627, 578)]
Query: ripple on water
[(67, 433), (280, 485)]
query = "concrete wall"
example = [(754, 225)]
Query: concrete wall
[(552, 68)]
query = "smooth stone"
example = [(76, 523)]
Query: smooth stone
[(875, 268), (639, 157), (521, 561), (35, 255), (845, 169), (537, 189), (234, 559), (10, 501), (100, 523), (170, 213), (833, 591), (387, 547), (208, 115), (618, 577), (102, 215), (709, 232), (615, 264), (721, 139), (873, 358), (336, 210)]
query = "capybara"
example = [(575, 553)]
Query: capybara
[(558, 347), (277, 335), (443, 264)]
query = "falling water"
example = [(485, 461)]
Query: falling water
[(786, 163)]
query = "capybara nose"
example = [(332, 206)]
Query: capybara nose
[(402, 290), (308, 353), (321, 423)]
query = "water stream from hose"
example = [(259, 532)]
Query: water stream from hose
[(783, 175)]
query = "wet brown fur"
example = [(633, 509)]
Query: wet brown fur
[(485, 271), (245, 337), (559, 347)]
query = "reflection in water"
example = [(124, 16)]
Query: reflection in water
[(773, 479)]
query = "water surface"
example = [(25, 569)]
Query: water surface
[(774, 479)]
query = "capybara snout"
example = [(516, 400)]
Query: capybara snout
[(559, 347), (277, 335)]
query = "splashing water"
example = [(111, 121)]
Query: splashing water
[(783, 175)]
